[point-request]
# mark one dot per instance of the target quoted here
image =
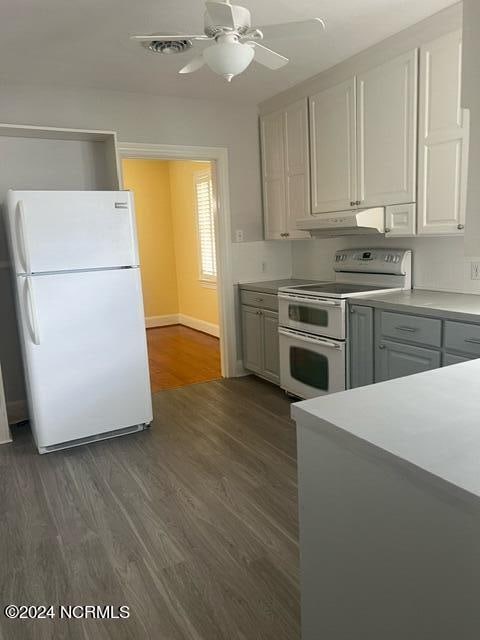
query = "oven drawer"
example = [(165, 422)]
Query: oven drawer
[(462, 337), (311, 366), (258, 299), (416, 329)]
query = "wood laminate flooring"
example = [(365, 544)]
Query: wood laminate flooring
[(179, 356), (192, 523)]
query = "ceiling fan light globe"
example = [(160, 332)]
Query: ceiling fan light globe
[(228, 59)]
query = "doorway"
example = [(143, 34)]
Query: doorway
[(175, 203)]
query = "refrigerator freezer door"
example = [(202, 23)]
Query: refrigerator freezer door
[(85, 353), (54, 231)]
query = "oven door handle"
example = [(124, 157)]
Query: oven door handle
[(311, 339), (316, 301)]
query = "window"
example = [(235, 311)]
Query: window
[(206, 226)]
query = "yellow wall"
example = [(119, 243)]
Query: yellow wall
[(150, 182), (194, 299), (167, 237)]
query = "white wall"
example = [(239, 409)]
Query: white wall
[(438, 263), (168, 120)]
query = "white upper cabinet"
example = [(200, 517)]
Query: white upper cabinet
[(387, 132), (273, 166), (297, 167), (443, 138), (285, 170), (333, 148)]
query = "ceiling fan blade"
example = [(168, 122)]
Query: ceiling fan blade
[(293, 29), (221, 14), (161, 37), (193, 65), (267, 57)]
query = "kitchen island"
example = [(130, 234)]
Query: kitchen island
[(389, 487)]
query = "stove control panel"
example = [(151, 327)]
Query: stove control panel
[(377, 260)]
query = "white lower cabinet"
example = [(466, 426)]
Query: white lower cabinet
[(444, 138)]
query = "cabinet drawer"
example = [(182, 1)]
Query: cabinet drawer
[(463, 337), (424, 331), (258, 299)]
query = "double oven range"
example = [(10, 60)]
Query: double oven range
[(313, 327)]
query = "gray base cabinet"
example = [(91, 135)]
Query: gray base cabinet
[(252, 338), (387, 344), (396, 359), (260, 342), (361, 346)]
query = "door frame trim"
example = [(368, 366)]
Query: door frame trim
[(223, 237)]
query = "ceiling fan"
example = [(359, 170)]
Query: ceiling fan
[(233, 42)]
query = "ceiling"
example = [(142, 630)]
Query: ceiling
[(85, 43)]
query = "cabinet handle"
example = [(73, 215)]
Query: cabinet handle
[(352, 310), (472, 340), (287, 235), (409, 329), (381, 346), (358, 202), (460, 226), (352, 204), (387, 229)]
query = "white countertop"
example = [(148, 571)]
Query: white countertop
[(431, 419), (456, 306)]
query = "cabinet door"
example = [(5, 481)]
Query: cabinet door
[(361, 346), (297, 167), (400, 220), (252, 339), (444, 134), (387, 132), (452, 358), (271, 354), (333, 148), (273, 173), (395, 360)]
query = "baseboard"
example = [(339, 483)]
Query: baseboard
[(187, 321), (17, 411), (199, 325), (161, 321)]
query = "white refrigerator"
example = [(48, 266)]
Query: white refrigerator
[(80, 313)]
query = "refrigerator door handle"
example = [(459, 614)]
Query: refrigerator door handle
[(22, 237), (31, 311)]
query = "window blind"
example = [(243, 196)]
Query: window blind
[(206, 226)]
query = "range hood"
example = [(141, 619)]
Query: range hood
[(345, 223)]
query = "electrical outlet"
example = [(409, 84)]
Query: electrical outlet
[(475, 270), (239, 235)]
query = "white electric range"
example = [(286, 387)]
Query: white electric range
[(313, 327)]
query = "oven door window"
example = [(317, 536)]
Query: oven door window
[(309, 367), (308, 315)]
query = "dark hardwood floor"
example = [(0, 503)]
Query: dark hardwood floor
[(179, 356), (192, 523)]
